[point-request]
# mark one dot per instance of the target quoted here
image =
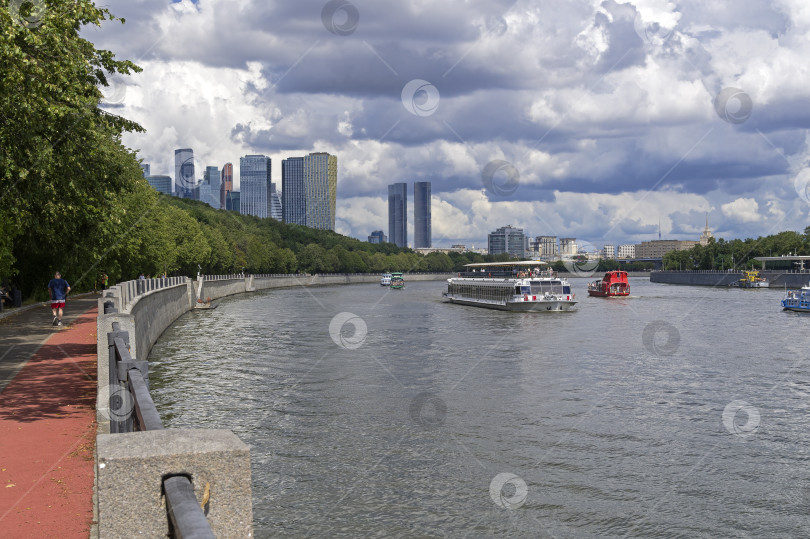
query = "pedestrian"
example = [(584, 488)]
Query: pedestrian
[(104, 280), (141, 276), (58, 289)]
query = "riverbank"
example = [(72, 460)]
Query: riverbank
[(777, 279)]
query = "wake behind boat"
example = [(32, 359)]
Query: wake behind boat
[(510, 286)]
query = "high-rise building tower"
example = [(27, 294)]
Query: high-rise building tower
[(184, 173), (210, 186), (398, 214), (162, 184), (309, 190), (377, 236), (146, 169), (275, 203), (421, 215), (507, 239), (293, 192), (227, 184), (254, 185)]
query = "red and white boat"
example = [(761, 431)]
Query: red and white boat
[(614, 283)]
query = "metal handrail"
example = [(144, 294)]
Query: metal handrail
[(185, 514)]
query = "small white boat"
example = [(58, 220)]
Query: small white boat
[(385, 280), (797, 300), (510, 286)]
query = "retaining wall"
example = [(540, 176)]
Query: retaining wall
[(777, 279)]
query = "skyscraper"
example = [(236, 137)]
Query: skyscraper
[(275, 203), (162, 184), (293, 193), (309, 190), (184, 174), (421, 215), (398, 214), (254, 172), (377, 237), (227, 184), (146, 170), (210, 187)]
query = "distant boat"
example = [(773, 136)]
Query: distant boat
[(751, 279), (385, 280), (614, 283), (396, 280), (510, 286), (797, 300)]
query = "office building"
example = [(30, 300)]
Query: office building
[(547, 246), (145, 169), (398, 214), (184, 173), (275, 203), (226, 177), (162, 184), (608, 251), (568, 246), (627, 251), (254, 185), (507, 239), (658, 248), (421, 215), (210, 187), (293, 192), (232, 202), (377, 237), (309, 190)]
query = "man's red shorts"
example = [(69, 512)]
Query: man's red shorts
[(58, 304)]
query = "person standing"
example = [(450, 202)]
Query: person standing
[(58, 288)]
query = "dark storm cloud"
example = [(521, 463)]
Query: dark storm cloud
[(571, 93)]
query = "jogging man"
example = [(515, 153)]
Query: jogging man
[(58, 288)]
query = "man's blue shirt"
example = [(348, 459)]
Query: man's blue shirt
[(58, 289)]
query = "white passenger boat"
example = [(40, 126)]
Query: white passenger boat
[(510, 286), (385, 280)]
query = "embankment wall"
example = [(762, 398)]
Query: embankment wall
[(777, 279)]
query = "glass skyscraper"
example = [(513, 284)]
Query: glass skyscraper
[(162, 184), (275, 203), (398, 214), (209, 188), (184, 173), (421, 215), (309, 190), (227, 184), (293, 193), (254, 185)]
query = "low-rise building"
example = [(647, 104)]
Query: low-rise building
[(626, 251), (658, 248)]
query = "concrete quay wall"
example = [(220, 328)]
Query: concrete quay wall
[(777, 279)]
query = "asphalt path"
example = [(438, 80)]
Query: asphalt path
[(22, 335)]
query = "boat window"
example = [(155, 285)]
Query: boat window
[(566, 290)]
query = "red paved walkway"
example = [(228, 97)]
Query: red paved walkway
[(47, 437)]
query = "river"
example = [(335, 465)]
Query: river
[(679, 411)]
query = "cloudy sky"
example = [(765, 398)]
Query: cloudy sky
[(574, 118)]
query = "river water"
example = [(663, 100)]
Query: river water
[(676, 412)]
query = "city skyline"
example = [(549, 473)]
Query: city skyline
[(618, 113)]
